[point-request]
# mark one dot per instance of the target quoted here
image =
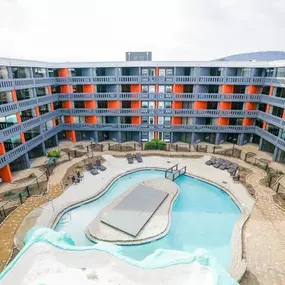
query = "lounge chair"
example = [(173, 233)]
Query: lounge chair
[(90, 166), (232, 170), (99, 165), (94, 171), (139, 157), (236, 177), (130, 158), (225, 165), (218, 163), (211, 161), (75, 180), (80, 175)]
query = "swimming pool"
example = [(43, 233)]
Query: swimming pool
[(203, 216)]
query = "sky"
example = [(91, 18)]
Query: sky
[(103, 30)]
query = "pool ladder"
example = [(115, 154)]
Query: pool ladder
[(173, 172)]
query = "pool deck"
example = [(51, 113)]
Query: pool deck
[(263, 234), (157, 226), (85, 191)]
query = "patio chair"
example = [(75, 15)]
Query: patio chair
[(139, 157), (232, 170), (130, 158), (90, 166), (99, 165), (236, 177), (225, 165), (75, 180), (94, 171), (211, 161), (218, 163), (80, 175)]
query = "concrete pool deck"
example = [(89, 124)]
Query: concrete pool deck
[(263, 235), (157, 227), (84, 191)]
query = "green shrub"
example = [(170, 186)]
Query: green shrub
[(155, 144), (53, 153), (9, 193)]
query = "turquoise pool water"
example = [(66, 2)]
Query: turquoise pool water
[(203, 216)]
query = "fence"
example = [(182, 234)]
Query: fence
[(12, 199)]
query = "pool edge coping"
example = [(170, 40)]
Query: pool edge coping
[(237, 265)]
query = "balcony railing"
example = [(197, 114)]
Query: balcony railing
[(9, 84), (160, 97)]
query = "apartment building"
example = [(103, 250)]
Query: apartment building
[(139, 99)]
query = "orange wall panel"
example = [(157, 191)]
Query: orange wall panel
[(253, 89), (177, 105), (199, 105), (156, 71), (225, 105), (71, 136), (135, 104), (65, 89), (247, 122), (176, 120), (223, 121), (135, 88), (5, 172), (88, 88), (178, 88), (114, 104), (250, 106), (156, 135), (68, 119), (67, 104), (63, 72), (136, 120), (14, 96), (227, 89), (90, 119)]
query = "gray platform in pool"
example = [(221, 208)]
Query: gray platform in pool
[(133, 212)]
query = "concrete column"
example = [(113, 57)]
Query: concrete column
[(27, 160), (260, 143), (44, 149), (275, 154), (56, 140), (220, 138)]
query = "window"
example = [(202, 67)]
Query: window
[(280, 72), (160, 105), (144, 120), (166, 136), (239, 89), (169, 72), (148, 71), (280, 92), (245, 72), (5, 97), (160, 120), (277, 111), (237, 106), (161, 72), (167, 120), (3, 73), (39, 72), (41, 91), (20, 72), (161, 89), (215, 71), (168, 89), (145, 88), (151, 89), (144, 104), (52, 72), (151, 104), (265, 90), (167, 105), (213, 89), (269, 72), (23, 94)]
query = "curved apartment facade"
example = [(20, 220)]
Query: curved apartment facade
[(212, 101)]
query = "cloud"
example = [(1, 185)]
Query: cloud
[(102, 30)]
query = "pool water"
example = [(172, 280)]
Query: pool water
[(203, 216)]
